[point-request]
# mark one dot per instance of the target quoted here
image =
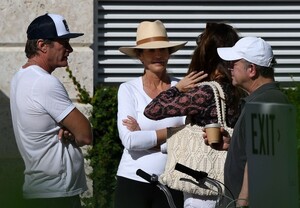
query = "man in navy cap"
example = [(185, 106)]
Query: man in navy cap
[(41, 107)]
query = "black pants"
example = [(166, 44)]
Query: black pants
[(135, 194), (61, 202)]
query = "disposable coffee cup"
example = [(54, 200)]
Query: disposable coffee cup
[(213, 133)]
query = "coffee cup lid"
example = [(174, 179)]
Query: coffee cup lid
[(212, 125)]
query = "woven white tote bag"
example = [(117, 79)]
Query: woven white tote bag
[(185, 145)]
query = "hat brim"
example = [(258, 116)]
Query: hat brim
[(228, 54), (174, 46), (70, 35)]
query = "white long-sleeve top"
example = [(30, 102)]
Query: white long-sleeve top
[(137, 153)]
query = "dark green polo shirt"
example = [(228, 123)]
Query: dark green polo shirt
[(236, 157)]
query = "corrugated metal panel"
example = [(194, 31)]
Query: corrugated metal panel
[(116, 22)]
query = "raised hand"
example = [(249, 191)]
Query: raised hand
[(190, 81)]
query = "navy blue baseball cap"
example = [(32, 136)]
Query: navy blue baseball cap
[(50, 26)]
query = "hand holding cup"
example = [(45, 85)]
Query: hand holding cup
[(213, 133), (224, 139)]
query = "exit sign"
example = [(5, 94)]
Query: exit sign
[(272, 155)]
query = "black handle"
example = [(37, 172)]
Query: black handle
[(146, 176), (198, 175)]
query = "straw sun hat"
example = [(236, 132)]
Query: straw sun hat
[(151, 35)]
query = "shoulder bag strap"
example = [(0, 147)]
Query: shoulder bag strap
[(220, 101)]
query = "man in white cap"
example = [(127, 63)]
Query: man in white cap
[(40, 107), (252, 70)]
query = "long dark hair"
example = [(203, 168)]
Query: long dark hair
[(205, 57)]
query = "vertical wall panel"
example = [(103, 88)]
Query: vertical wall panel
[(116, 22)]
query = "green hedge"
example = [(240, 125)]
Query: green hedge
[(293, 94), (107, 149)]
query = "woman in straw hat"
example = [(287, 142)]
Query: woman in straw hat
[(201, 106), (141, 137)]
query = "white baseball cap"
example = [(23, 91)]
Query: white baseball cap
[(252, 49)]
